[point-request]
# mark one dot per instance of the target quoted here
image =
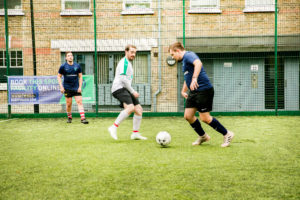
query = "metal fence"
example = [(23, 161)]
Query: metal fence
[(250, 50)]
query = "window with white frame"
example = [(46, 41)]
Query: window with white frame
[(259, 6), (16, 66), (137, 7), (204, 6), (14, 7), (109, 61), (16, 59), (76, 7)]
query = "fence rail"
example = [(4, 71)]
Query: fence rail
[(250, 50)]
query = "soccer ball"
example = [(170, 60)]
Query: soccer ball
[(163, 138)]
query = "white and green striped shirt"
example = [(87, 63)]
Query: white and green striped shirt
[(123, 76)]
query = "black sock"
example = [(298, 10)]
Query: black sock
[(197, 127), (218, 126)]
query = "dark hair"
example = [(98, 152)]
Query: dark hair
[(129, 46), (176, 45)]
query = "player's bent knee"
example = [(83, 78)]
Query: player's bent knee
[(69, 105), (130, 108), (138, 111), (188, 117), (206, 119)]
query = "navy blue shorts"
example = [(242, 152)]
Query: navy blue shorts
[(202, 100)]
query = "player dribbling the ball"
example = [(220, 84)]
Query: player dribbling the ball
[(200, 96)]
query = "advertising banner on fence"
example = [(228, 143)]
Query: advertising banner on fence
[(44, 90)]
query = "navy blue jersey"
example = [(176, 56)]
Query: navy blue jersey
[(70, 73), (188, 71)]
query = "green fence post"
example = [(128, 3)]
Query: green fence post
[(276, 75), (183, 35), (7, 56), (183, 23), (96, 70)]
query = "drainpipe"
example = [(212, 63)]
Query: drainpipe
[(7, 57), (95, 67), (159, 57)]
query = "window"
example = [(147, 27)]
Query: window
[(108, 63), (2, 59), (16, 65), (270, 80), (76, 7), (259, 6), (106, 67), (204, 6), (137, 7), (16, 59), (14, 7), (80, 59)]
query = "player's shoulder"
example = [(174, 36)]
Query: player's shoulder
[(75, 64), (122, 61), (63, 65), (192, 54)]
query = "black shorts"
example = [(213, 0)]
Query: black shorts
[(202, 100), (71, 93), (124, 96)]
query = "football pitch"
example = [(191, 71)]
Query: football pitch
[(50, 159)]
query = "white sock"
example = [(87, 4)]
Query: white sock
[(136, 122), (123, 115)]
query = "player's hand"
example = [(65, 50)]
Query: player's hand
[(62, 90), (184, 94), (194, 85), (135, 94), (79, 90)]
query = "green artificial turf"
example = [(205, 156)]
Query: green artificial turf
[(50, 159)]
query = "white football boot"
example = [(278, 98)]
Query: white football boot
[(113, 132), (227, 139), (201, 139), (137, 136)]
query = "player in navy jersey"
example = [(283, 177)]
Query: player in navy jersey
[(200, 96), (72, 86)]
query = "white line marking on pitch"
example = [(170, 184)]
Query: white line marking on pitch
[(7, 120)]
